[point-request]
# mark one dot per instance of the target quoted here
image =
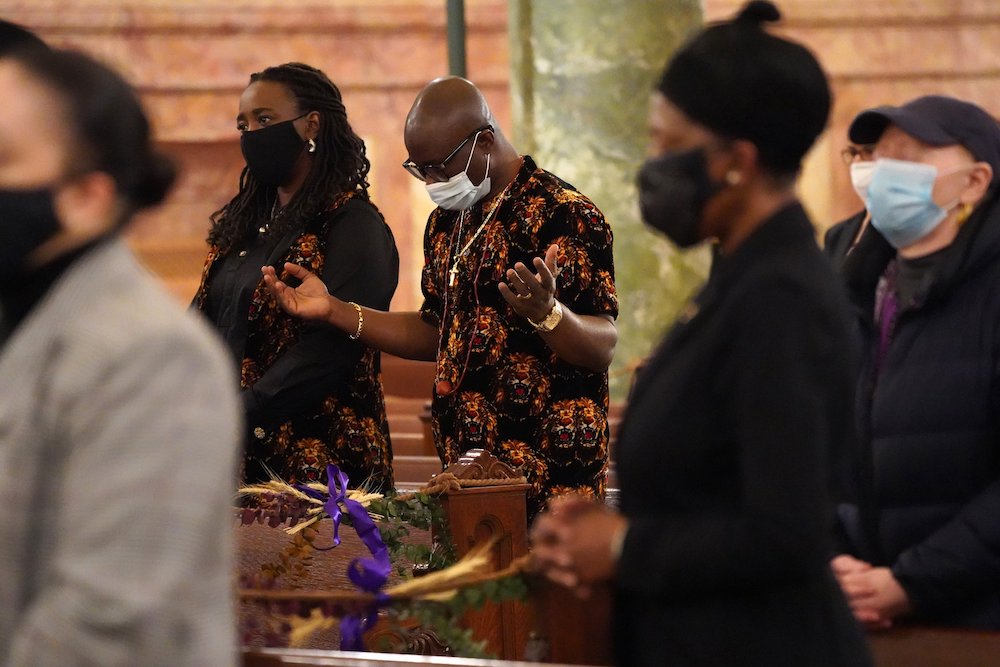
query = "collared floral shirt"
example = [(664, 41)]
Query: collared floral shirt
[(312, 396), (511, 394)]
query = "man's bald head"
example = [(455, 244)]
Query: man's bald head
[(445, 116), (449, 102), (445, 112)]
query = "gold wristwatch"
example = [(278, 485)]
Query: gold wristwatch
[(550, 321)]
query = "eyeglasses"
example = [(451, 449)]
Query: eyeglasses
[(852, 153), (436, 171)]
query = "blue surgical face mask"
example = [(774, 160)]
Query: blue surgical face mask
[(900, 201), (861, 178)]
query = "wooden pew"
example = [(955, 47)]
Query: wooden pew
[(907, 647), (412, 472), (407, 385), (406, 378), (310, 658), (935, 647), (409, 426)]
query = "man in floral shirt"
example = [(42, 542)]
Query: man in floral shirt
[(519, 300)]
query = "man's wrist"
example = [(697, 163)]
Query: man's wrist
[(551, 319)]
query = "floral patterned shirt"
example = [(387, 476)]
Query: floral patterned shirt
[(311, 395), (511, 394)]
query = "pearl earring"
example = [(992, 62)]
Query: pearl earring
[(733, 177), (312, 145)]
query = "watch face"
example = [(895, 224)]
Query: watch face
[(551, 320)]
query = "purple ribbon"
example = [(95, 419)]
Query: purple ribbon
[(368, 574)]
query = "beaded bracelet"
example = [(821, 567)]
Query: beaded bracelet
[(361, 322)]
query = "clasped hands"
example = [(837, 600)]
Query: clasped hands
[(874, 594), (573, 543)]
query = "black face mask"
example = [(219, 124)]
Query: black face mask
[(673, 189), (271, 152), (27, 220)]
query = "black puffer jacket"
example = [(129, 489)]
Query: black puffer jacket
[(927, 502)]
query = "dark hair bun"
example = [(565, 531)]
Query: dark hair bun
[(154, 180), (743, 82), (757, 12)]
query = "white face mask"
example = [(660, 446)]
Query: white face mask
[(861, 178), (458, 192)]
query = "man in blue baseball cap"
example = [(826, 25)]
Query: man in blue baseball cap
[(935, 120), (920, 535)]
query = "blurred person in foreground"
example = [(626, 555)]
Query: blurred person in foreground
[(719, 555), (921, 536), (118, 414)]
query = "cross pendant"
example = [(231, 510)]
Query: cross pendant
[(452, 275)]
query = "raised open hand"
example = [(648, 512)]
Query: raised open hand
[(532, 295), (310, 300)]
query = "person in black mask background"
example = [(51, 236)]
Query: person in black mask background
[(312, 395), (119, 416), (719, 553)]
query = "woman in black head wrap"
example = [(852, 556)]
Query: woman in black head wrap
[(719, 553)]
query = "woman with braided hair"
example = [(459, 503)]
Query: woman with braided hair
[(312, 395)]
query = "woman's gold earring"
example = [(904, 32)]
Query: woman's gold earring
[(312, 145), (964, 212), (733, 177)]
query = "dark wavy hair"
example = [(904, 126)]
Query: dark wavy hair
[(340, 165)]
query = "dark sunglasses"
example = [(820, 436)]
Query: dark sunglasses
[(436, 171)]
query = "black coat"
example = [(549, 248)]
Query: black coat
[(723, 462), (928, 494)]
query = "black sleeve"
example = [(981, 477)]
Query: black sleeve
[(775, 393), (362, 265), (959, 562)]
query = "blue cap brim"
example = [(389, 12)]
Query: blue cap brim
[(868, 126)]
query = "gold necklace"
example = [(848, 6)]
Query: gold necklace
[(453, 271)]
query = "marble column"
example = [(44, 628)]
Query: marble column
[(582, 72)]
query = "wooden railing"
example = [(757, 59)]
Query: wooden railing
[(282, 657), (910, 647), (935, 647)]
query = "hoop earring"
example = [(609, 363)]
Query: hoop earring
[(312, 145)]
